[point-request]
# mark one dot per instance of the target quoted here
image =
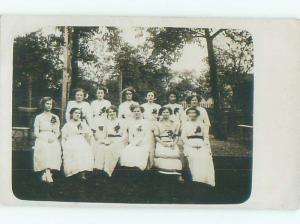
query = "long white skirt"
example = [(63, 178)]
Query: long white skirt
[(135, 156), (107, 156), (46, 155), (200, 163), (167, 159), (77, 155)]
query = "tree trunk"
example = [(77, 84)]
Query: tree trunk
[(219, 131), (74, 59), (29, 91)]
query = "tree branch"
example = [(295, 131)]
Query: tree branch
[(217, 32)]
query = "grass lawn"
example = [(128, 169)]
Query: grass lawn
[(233, 185)]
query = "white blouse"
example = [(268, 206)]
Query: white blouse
[(124, 109), (99, 107), (151, 111), (83, 106), (48, 123), (177, 111)]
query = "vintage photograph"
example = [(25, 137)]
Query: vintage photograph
[(146, 115)]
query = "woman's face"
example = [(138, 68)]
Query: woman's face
[(165, 114), (194, 102), (112, 114), (48, 105), (192, 115), (128, 95), (76, 115), (150, 97), (137, 113), (172, 98), (79, 95), (100, 94)]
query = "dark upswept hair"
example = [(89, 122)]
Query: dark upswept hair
[(78, 90), (105, 90), (152, 91), (44, 100), (172, 92), (73, 110), (130, 88), (112, 107), (163, 109), (133, 106), (85, 94), (189, 98), (194, 109)]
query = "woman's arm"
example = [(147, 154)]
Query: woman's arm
[(56, 128), (68, 111), (89, 113), (36, 127), (177, 132), (157, 136)]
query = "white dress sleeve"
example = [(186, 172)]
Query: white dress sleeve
[(56, 127), (64, 132), (88, 113), (69, 107), (36, 126), (206, 118)]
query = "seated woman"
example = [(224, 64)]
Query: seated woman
[(76, 143), (47, 150), (110, 140), (167, 154), (197, 149), (136, 153)]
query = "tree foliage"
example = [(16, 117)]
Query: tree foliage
[(38, 57)]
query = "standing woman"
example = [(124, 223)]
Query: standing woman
[(86, 112), (110, 138), (197, 149), (177, 109), (203, 116), (124, 108), (151, 108), (167, 154), (136, 153), (47, 150), (76, 143), (100, 105)]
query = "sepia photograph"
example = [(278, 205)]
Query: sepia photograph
[(132, 114)]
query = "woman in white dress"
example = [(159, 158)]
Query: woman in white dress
[(47, 149), (110, 136), (76, 143), (203, 116), (167, 154), (151, 109), (177, 109), (136, 153), (86, 112), (100, 105), (197, 149), (124, 108)]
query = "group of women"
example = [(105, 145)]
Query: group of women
[(99, 136)]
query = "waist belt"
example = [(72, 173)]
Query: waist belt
[(112, 136), (195, 136)]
